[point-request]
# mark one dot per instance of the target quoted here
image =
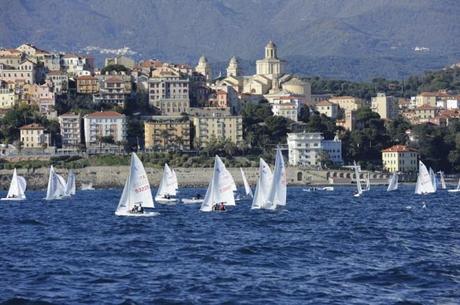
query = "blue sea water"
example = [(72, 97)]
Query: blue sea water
[(323, 248)]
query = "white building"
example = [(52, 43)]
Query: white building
[(453, 104), (99, 125), (286, 107), (328, 109), (307, 148)]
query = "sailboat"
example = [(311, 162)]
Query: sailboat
[(434, 180), (443, 181), (456, 189), (56, 186), (358, 181), (70, 187), (424, 180), (247, 188), (220, 189), (17, 188), (167, 188), (368, 182), (278, 188), (136, 194), (264, 183), (87, 187), (393, 182)]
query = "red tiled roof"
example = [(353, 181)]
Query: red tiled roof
[(32, 126), (399, 148), (104, 114), (325, 103), (426, 107), (86, 77)]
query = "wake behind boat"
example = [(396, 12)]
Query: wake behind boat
[(17, 189), (136, 194)]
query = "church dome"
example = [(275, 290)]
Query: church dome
[(296, 86)]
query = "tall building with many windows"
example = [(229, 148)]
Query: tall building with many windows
[(167, 133), (217, 126), (70, 126), (386, 106), (102, 126), (169, 91)]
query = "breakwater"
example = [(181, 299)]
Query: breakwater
[(115, 176)]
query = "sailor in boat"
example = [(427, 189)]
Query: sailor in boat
[(12, 196), (219, 207), (137, 209)]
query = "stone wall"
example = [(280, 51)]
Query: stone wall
[(115, 176)]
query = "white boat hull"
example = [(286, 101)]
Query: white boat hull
[(166, 201), (192, 201), (145, 214), (13, 199)]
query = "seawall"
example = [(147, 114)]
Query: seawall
[(115, 176)]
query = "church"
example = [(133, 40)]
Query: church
[(270, 80)]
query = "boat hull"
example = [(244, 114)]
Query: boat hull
[(13, 199), (145, 214), (192, 201), (166, 201)]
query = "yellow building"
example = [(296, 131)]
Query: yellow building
[(33, 136), (426, 98), (167, 133), (7, 99), (217, 126), (399, 158), (347, 103)]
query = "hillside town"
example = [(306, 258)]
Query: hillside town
[(62, 104)]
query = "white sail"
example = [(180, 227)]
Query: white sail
[(264, 183), (137, 188), (247, 188), (358, 179), (278, 188), (368, 182), (70, 187), (424, 180), (176, 183), (167, 185), (443, 181), (393, 183), (220, 188), (434, 181), (17, 188), (56, 186)]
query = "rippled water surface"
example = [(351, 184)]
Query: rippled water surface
[(323, 248)]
